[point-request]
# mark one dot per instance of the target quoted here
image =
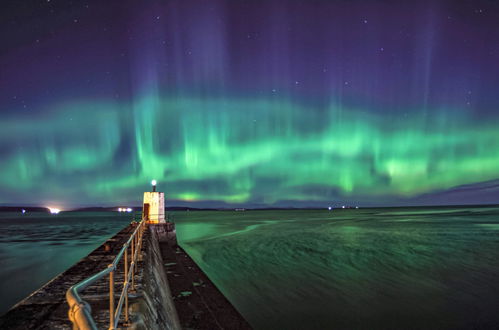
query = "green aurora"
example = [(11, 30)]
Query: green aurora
[(250, 103), (239, 150)]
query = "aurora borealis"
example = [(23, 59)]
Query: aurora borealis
[(250, 102)]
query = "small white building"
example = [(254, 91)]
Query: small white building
[(153, 209)]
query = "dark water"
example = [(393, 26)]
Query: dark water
[(352, 269), (36, 247), (345, 269)]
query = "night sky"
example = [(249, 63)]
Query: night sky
[(285, 103)]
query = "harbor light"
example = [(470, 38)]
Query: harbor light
[(53, 210), (153, 208)]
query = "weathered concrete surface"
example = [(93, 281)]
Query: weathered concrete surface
[(199, 303), (154, 308), (46, 308)]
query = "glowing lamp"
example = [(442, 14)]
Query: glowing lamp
[(54, 210)]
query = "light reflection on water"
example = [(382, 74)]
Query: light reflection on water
[(398, 268), (35, 247)]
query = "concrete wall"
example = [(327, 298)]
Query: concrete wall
[(154, 308)]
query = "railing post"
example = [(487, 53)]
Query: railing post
[(125, 283), (132, 265), (133, 249), (111, 299)]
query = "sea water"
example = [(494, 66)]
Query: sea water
[(35, 247), (422, 268), (352, 269)]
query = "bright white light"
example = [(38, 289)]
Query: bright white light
[(129, 210), (153, 182), (54, 210)]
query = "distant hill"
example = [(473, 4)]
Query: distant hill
[(97, 209), (21, 208)]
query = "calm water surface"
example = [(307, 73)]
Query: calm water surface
[(35, 247), (343, 269), (352, 269)]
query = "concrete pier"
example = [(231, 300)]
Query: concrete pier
[(199, 303), (171, 290)]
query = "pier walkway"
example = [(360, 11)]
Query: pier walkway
[(199, 303)]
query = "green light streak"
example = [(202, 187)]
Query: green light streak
[(237, 150)]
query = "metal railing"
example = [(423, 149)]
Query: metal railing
[(79, 310)]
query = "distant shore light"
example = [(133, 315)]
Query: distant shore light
[(54, 210)]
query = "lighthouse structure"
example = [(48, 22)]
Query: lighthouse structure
[(153, 210)]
